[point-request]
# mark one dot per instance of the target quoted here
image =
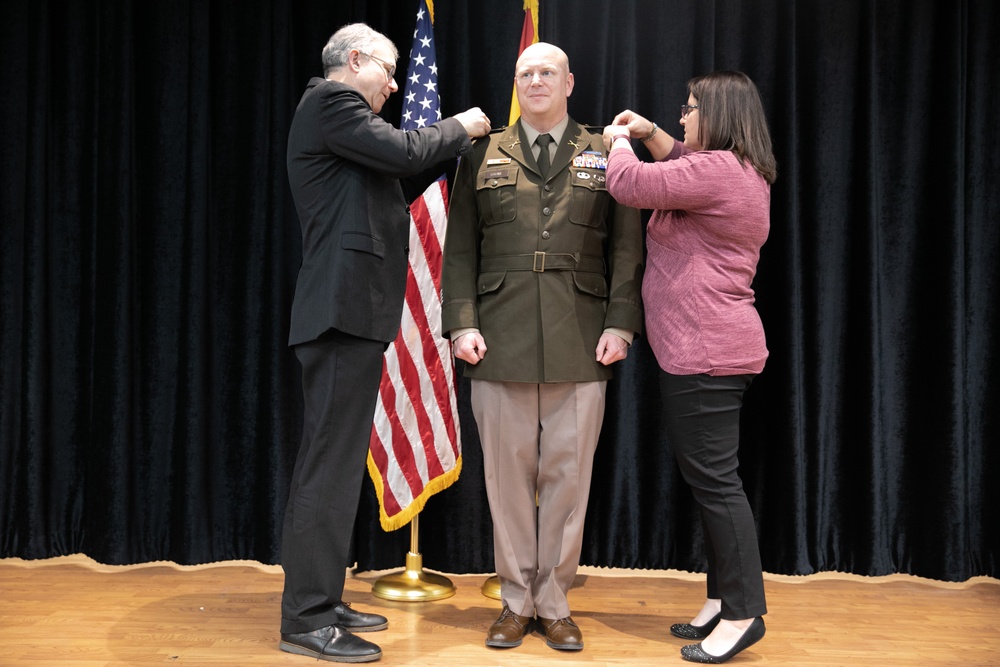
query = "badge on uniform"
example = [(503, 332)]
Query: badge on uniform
[(497, 160), (591, 160)]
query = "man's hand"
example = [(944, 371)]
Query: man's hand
[(610, 348), (474, 121), (471, 347)]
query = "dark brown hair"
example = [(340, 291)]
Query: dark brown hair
[(731, 118)]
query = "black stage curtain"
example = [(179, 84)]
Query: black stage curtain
[(150, 408)]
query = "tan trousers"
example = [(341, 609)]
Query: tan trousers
[(538, 439)]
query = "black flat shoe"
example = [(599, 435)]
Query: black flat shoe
[(331, 643), (752, 635), (688, 631)]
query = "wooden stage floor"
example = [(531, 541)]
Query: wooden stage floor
[(73, 611)]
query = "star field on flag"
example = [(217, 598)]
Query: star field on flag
[(421, 105)]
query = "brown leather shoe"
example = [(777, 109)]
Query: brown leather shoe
[(508, 630), (562, 634)]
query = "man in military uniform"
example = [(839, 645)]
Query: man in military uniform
[(541, 293)]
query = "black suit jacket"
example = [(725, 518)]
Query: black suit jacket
[(344, 165)]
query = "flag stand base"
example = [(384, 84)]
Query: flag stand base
[(413, 584), (491, 587)]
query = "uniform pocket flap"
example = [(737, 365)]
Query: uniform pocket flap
[(489, 282), (591, 283), (496, 177), (592, 179)]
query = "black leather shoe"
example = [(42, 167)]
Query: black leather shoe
[(688, 631), (357, 621), (752, 635), (330, 643)]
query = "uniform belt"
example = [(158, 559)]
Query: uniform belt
[(540, 262)]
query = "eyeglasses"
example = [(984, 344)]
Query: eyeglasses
[(390, 69), (687, 108)]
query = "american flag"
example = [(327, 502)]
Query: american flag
[(415, 448)]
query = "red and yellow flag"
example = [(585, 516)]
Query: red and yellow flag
[(529, 36)]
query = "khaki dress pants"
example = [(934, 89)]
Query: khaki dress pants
[(538, 441)]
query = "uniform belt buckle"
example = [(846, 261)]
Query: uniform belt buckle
[(538, 266)]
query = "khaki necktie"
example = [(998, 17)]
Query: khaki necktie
[(543, 142)]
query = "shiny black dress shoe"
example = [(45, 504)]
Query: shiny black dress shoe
[(331, 643), (752, 635), (688, 631), (357, 621)]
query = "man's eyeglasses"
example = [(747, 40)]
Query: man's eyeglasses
[(390, 69), (687, 108)]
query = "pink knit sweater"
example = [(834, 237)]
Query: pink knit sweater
[(711, 216)]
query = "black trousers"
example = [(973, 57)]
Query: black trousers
[(702, 415), (340, 380)]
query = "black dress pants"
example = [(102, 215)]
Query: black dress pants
[(340, 380), (702, 414)]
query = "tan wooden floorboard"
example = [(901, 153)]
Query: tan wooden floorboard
[(73, 611)]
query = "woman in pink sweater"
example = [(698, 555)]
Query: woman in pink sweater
[(711, 213)]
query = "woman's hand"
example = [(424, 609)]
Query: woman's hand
[(613, 132), (638, 127)]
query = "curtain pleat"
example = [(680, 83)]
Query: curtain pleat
[(150, 408)]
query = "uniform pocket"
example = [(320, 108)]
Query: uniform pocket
[(496, 194), (589, 203), (593, 284), (489, 282)]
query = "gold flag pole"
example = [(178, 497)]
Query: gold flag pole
[(413, 584)]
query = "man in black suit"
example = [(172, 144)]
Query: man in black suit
[(344, 166)]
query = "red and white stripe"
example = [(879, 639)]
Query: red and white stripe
[(415, 448)]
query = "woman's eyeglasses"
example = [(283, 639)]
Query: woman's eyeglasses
[(687, 108)]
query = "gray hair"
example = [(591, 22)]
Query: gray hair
[(358, 36)]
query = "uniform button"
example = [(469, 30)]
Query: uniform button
[(548, 187), (406, 249), (545, 235), (547, 211), (494, 183)]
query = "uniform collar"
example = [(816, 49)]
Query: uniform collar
[(556, 132)]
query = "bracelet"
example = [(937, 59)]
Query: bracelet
[(652, 133), (620, 136)]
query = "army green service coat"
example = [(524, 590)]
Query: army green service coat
[(540, 267)]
